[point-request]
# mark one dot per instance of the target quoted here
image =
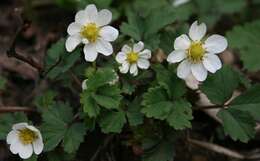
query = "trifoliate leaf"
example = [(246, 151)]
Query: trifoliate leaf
[(73, 137), (108, 96), (89, 104), (248, 101), (112, 122), (246, 39), (220, 86), (133, 113), (7, 121), (59, 60), (156, 103), (181, 115), (238, 124)]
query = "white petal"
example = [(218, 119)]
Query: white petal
[(74, 28), (177, 3), (143, 63), (104, 17), (84, 84), (125, 67), (120, 57), (216, 44), (212, 63), (109, 33), (82, 17), (72, 42), (90, 52), (197, 32), (192, 82), (199, 71), (25, 151), (92, 13), (19, 126), (182, 42), (33, 128), (12, 137), (176, 56), (133, 69), (104, 47), (38, 146), (126, 49), (14, 147), (183, 70), (138, 46), (145, 54)]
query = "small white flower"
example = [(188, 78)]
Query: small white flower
[(91, 29), (24, 140), (177, 3), (131, 58), (197, 56)]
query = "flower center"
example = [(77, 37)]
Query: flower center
[(90, 32), (132, 57), (196, 52), (27, 136)]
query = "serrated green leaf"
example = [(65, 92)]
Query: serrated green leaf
[(246, 39), (89, 104), (108, 96), (45, 100), (248, 101), (133, 113), (181, 115), (73, 137), (7, 121), (220, 86), (238, 124), (112, 122)]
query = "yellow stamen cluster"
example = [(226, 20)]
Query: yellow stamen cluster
[(27, 136), (132, 57), (196, 52), (90, 32)]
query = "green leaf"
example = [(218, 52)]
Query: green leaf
[(238, 124), (89, 104), (58, 56), (108, 96), (220, 86), (7, 121), (246, 39), (73, 137), (248, 101), (162, 152), (2, 83), (112, 122), (181, 115), (133, 113), (156, 103), (45, 100), (32, 158)]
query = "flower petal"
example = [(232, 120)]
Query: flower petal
[(124, 67), (197, 32), (25, 151), (14, 148), (183, 70), (104, 47), (19, 126), (176, 56), (138, 46), (133, 69), (177, 3), (145, 54), (104, 17), (92, 13), (109, 33), (121, 57), (38, 146), (143, 63), (81, 17), (126, 49), (84, 84), (212, 63), (182, 42), (90, 52), (216, 44), (199, 71), (12, 137), (74, 28), (72, 42)]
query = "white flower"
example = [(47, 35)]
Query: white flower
[(84, 85), (24, 140), (177, 3), (131, 58), (91, 29), (197, 56)]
